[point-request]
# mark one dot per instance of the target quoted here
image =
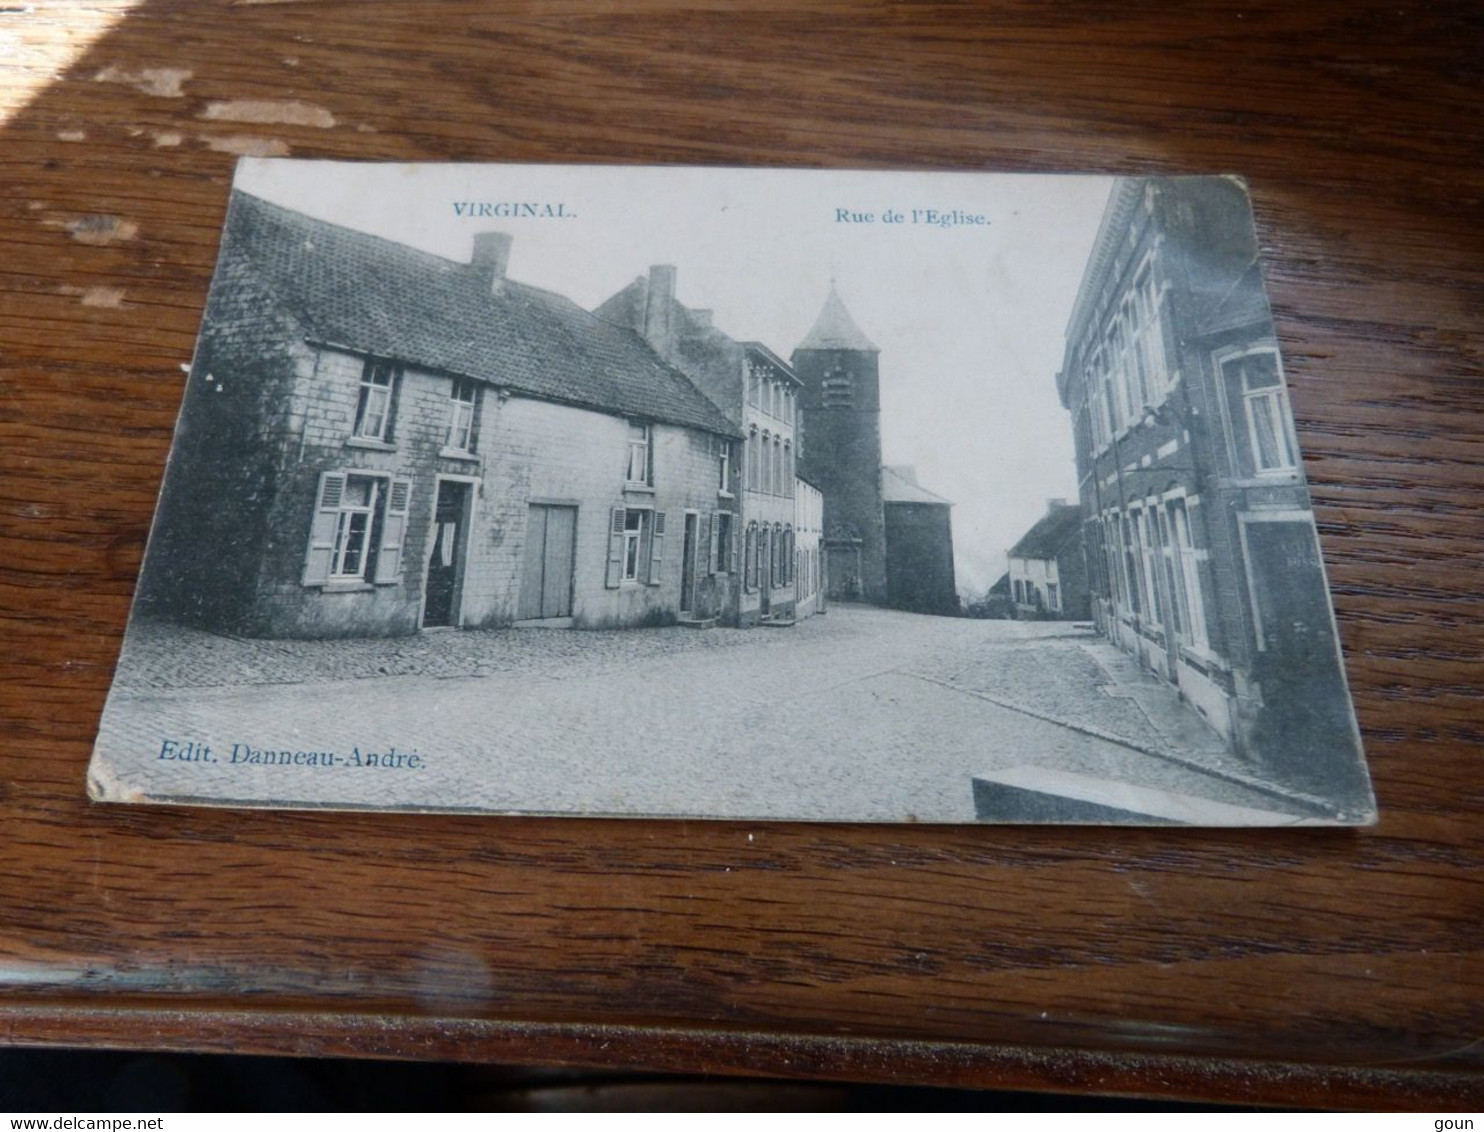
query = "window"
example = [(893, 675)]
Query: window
[(1174, 583), (374, 409), (1019, 591), (766, 456), (356, 531), (721, 543), (1190, 573), (1133, 580), (788, 469), (636, 546), (358, 506), (1052, 596), (724, 468), (753, 469), (641, 454), (1146, 538), (633, 531), (778, 488), (1147, 337), (461, 416), (1266, 409), (749, 576), (1110, 395)]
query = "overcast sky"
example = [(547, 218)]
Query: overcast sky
[(969, 318)]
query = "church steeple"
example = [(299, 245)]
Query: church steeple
[(840, 416), (834, 329)]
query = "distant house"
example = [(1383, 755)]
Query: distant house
[(919, 545), (375, 440), (752, 533), (1048, 568)]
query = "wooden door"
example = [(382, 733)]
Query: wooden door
[(546, 584)]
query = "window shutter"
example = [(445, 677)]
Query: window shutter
[(393, 532), (736, 547), (322, 528), (712, 543), (615, 548), (656, 546)]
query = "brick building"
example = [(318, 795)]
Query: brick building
[(376, 440), (757, 392), (1201, 546), (841, 436), (1048, 569)]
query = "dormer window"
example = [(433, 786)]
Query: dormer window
[(374, 409), (641, 455)]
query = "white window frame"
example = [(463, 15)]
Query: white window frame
[(345, 520), (1177, 605), (374, 400), (1183, 536), (1276, 397), (724, 462), (642, 449), (633, 544), (460, 436)]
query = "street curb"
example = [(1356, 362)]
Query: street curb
[(1254, 784)]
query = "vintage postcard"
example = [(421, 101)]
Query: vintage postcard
[(721, 493)]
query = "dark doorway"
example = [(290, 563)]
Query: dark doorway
[(843, 571), (446, 558), (546, 586), (765, 570), (688, 566)]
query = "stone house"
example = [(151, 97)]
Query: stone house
[(1048, 569), (376, 440), (1201, 545), (757, 392)]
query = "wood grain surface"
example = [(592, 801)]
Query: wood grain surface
[(1319, 967)]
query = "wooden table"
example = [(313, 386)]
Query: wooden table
[(1310, 967)]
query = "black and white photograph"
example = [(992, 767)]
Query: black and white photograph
[(736, 494)]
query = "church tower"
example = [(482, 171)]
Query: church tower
[(841, 442)]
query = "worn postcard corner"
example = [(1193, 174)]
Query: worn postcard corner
[(724, 493)]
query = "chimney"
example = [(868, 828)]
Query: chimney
[(659, 310), (492, 256), (1053, 503)]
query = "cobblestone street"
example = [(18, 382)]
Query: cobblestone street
[(863, 714)]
